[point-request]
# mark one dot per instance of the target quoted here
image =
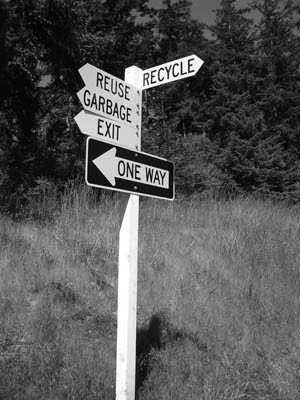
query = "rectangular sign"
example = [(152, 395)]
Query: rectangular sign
[(171, 71), (109, 96), (108, 130), (117, 168)]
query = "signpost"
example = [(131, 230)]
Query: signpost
[(117, 168), (127, 290), (112, 113)]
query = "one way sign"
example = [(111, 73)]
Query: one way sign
[(118, 168)]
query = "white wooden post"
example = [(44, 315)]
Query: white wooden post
[(127, 277)]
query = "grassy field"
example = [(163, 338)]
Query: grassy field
[(218, 300)]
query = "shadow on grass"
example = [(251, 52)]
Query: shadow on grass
[(147, 338), (155, 336)]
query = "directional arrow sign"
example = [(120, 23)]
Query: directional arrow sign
[(108, 106), (103, 82), (107, 130), (171, 71), (117, 168), (109, 96)]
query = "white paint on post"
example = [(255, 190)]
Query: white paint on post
[(127, 281), (127, 301)]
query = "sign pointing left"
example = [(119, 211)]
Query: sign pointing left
[(103, 82), (110, 97), (118, 168), (107, 106), (107, 130), (113, 167)]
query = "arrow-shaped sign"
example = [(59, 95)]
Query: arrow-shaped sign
[(106, 84), (107, 106), (113, 167), (171, 71), (118, 168), (107, 130)]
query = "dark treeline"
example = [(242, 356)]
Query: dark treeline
[(232, 129)]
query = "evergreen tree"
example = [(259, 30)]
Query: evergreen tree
[(236, 121), (233, 79), (19, 103), (172, 112), (236, 118), (278, 47), (232, 117), (44, 44)]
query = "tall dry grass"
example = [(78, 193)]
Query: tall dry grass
[(227, 272), (222, 279)]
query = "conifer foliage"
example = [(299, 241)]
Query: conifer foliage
[(233, 128)]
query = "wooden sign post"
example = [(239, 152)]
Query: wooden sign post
[(113, 114), (127, 282)]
